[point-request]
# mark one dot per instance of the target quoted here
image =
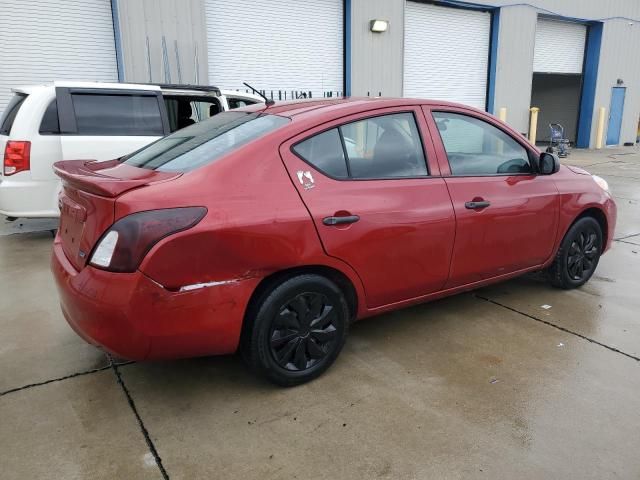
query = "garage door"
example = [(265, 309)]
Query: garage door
[(446, 53), (276, 45), (42, 41), (559, 46)]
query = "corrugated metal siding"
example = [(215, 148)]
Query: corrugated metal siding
[(182, 25), (42, 41), (376, 64), (515, 64), (619, 59), (446, 53), (559, 46), (276, 44)]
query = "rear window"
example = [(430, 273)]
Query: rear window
[(117, 114), (10, 113), (205, 142)]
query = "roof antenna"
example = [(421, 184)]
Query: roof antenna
[(268, 102)]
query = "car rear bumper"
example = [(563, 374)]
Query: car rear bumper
[(133, 317), (20, 197)]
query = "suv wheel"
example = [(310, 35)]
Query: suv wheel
[(578, 255), (296, 330)]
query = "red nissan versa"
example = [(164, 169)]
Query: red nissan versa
[(270, 229)]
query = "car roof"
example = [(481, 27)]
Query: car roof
[(342, 106), (118, 86)]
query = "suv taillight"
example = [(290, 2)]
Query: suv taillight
[(17, 157), (124, 245)]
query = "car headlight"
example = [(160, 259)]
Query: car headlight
[(602, 183)]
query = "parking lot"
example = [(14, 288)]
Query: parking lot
[(516, 380)]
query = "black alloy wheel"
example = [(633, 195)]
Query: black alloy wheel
[(578, 255), (582, 254), (303, 332), (295, 329)]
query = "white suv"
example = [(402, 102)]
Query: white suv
[(86, 120)]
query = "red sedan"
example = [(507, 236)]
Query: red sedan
[(271, 229)]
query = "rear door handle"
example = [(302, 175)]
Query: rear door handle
[(476, 204), (340, 220)]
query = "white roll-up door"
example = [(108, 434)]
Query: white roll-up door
[(276, 45), (42, 41), (559, 46), (446, 53)]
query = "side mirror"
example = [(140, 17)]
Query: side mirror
[(549, 163)]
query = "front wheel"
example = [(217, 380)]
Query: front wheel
[(578, 255), (296, 331)]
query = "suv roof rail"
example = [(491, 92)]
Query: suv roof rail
[(184, 86)]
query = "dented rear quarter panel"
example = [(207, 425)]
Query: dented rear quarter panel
[(256, 224)]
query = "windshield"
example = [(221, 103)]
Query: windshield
[(204, 142)]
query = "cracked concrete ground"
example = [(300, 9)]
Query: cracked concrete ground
[(489, 384)]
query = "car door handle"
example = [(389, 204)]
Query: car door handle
[(477, 204), (340, 220)]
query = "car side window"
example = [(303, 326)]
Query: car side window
[(324, 151), (235, 102), (183, 110), (117, 114), (381, 147), (50, 124), (475, 147), (386, 146)]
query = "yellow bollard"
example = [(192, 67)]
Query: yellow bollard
[(502, 114), (600, 128), (533, 124)]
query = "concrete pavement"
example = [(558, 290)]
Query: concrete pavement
[(516, 380)]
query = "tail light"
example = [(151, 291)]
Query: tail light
[(124, 245), (17, 157)]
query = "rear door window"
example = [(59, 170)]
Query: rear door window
[(117, 115), (381, 147), (9, 115), (324, 151), (205, 142)]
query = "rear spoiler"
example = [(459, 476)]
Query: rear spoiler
[(107, 179)]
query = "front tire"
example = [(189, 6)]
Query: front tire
[(578, 255), (296, 330)]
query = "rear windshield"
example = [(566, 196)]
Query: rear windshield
[(204, 142), (10, 113)]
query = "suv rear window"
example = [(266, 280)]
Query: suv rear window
[(117, 114), (205, 142), (10, 113)]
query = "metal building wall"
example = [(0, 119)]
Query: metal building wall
[(620, 59), (377, 58), (514, 72), (163, 40)]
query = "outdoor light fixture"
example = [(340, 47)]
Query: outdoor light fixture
[(378, 26)]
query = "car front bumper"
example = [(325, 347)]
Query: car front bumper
[(133, 317)]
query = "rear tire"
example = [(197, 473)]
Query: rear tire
[(296, 330), (578, 255)]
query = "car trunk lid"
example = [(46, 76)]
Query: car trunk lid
[(87, 201)]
